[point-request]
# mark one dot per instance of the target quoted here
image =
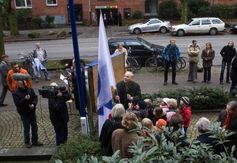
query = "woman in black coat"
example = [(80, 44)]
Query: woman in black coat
[(109, 126), (233, 76)]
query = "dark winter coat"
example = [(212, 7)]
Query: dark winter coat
[(131, 88), (233, 74), (227, 53), (207, 58), (106, 135), (168, 53), (58, 111), (23, 105)]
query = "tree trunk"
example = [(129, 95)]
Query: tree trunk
[(2, 49), (13, 23), (184, 11)]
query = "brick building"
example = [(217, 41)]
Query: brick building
[(87, 11)]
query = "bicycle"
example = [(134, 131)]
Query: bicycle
[(27, 62), (156, 63), (132, 63)]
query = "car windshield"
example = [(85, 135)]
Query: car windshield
[(144, 42)]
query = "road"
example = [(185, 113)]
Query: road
[(88, 47)]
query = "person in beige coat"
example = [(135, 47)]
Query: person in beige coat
[(123, 138), (193, 54)]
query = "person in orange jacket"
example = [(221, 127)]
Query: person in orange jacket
[(12, 84)]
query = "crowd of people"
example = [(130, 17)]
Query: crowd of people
[(171, 55), (118, 131), (18, 82)]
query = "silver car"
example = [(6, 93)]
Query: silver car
[(152, 25), (209, 25)]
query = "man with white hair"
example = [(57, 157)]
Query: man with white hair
[(128, 90), (41, 55)]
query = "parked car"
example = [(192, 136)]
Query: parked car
[(233, 28), (152, 25), (137, 47), (210, 25)]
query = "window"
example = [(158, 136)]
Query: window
[(134, 45), (206, 22), (195, 22), (23, 4), (51, 3), (154, 22), (216, 21)]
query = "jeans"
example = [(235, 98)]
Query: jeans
[(228, 64), (30, 120), (46, 74), (232, 88), (61, 131), (167, 66), (3, 94), (207, 74), (192, 75)]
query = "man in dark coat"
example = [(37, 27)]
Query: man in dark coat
[(26, 100), (3, 73), (58, 112), (227, 53), (170, 56), (233, 76), (128, 90)]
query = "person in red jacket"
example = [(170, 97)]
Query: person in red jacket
[(185, 111)]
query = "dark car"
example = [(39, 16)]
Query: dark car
[(233, 28), (137, 47)]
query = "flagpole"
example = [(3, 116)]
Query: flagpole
[(80, 87)]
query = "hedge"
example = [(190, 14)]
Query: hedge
[(202, 98)]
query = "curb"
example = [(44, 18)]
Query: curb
[(35, 153), (35, 39)]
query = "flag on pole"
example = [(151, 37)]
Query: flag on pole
[(106, 78)]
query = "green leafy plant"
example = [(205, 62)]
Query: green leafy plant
[(49, 20), (203, 98), (137, 15)]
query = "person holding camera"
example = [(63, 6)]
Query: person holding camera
[(57, 98), (26, 100)]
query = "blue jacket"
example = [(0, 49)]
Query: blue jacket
[(166, 53)]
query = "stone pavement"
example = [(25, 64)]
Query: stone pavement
[(11, 127)]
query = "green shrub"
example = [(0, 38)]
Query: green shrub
[(77, 147), (37, 22), (34, 35), (49, 20), (225, 11), (23, 18), (203, 98), (137, 15), (168, 10), (198, 8), (163, 148)]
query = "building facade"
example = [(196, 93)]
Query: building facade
[(87, 11)]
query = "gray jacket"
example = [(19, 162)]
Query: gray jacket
[(3, 72)]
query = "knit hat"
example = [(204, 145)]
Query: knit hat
[(160, 123), (53, 84), (186, 100), (165, 100)]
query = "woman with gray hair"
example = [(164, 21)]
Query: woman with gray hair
[(203, 125), (109, 126)]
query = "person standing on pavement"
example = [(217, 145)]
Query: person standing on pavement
[(25, 101), (41, 54), (193, 54), (128, 90), (121, 50), (228, 52), (58, 112), (233, 77), (170, 56), (12, 84), (3, 73), (208, 54)]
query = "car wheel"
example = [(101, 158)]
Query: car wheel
[(213, 31), (180, 32), (163, 30), (137, 31)]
